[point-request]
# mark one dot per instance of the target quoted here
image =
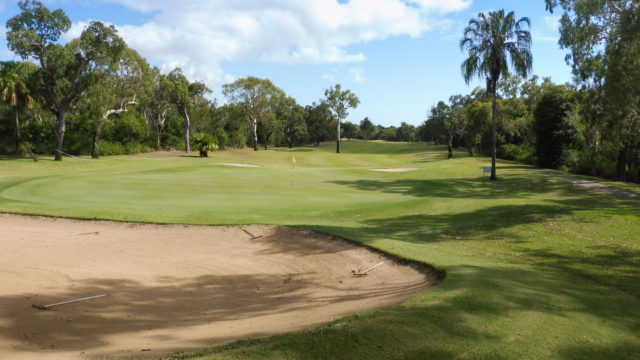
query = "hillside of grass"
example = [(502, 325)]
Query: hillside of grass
[(535, 267)]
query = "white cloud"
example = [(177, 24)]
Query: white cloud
[(357, 73), (200, 35)]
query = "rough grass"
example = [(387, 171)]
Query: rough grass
[(536, 267)]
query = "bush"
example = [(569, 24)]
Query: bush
[(522, 153), (205, 143)]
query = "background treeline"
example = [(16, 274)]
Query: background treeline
[(97, 96), (538, 123)]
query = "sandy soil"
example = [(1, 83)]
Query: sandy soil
[(176, 288), (395, 169)]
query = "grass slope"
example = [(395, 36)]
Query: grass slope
[(536, 267)]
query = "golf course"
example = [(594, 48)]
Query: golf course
[(532, 265)]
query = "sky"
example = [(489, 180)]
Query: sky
[(400, 57)]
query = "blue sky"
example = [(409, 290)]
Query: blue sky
[(399, 57)]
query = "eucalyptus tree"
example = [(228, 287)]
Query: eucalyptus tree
[(184, 94), (489, 40), (367, 129), (339, 102), (294, 125), (122, 84), (318, 120), (257, 96), (601, 36), (156, 104), (66, 72)]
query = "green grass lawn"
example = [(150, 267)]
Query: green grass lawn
[(535, 267)]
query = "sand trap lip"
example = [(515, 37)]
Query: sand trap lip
[(395, 169), (242, 165), (177, 288)]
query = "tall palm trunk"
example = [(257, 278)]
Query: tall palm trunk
[(18, 137), (493, 136)]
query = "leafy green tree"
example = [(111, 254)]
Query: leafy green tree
[(490, 39), (557, 132), (319, 119), (600, 36), (622, 89), (350, 130), (295, 127), (406, 132), (66, 72), (183, 95), (257, 96), (15, 92), (367, 129), (339, 102), (122, 84), (156, 104), (477, 114)]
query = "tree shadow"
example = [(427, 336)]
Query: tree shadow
[(513, 186), (455, 322), (171, 303)]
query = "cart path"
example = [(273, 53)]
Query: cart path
[(612, 190)]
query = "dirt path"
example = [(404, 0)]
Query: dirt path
[(593, 185), (176, 288)]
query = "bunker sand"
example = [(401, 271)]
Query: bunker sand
[(176, 288)]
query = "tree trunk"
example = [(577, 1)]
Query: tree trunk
[(338, 141), (18, 137), (493, 136), (290, 138), (621, 165), (95, 150), (187, 125), (255, 134), (61, 127), (450, 147)]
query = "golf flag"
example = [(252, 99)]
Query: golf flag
[(293, 161)]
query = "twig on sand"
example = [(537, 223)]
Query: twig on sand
[(358, 273), (253, 237), (47, 307), (82, 233)]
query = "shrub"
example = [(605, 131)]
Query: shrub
[(205, 143), (523, 153)]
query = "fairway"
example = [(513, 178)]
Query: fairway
[(536, 267)]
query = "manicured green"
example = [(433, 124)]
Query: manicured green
[(535, 267)]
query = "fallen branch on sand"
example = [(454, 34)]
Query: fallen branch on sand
[(83, 233), (47, 307), (358, 273), (253, 237)]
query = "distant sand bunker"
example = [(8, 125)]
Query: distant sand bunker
[(395, 170), (174, 288), (243, 165)]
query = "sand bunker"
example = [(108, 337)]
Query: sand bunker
[(176, 288), (242, 165), (395, 169)]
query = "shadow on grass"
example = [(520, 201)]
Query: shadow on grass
[(509, 187), (480, 312)]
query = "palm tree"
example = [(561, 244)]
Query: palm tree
[(16, 94), (489, 39)]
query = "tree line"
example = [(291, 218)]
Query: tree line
[(95, 95), (590, 126)]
